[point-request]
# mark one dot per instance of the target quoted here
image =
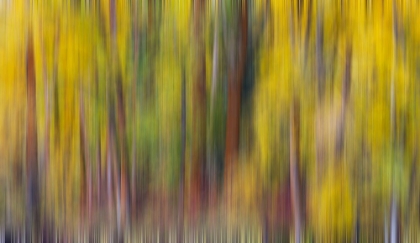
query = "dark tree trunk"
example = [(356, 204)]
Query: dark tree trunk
[(235, 80), (199, 112), (122, 141), (32, 194), (86, 190)]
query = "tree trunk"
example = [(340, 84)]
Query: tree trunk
[(319, 50), (134, 104), (339, 144), (122, 181), (109, 157), (183, 149), (86, 190), (320, 71), (122, 151), (394, 220), (294, 169), (235, 79), (32, 197), (199, 112), (215, 58), (212, 163), (394, 200)]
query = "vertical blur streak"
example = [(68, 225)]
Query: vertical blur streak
[(31, 140), (209, 120), (134, 105), (181, 202), (394, 141), (199, 111), (236, 65), (86, 196), (294, 167)]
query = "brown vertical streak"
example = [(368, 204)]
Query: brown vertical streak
[(199, 110), (150, 15), (235, 78), (31, 139), (86, 166), (183, 149), (99, 173), (122, 149)]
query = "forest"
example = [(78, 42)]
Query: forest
[(209, 120)]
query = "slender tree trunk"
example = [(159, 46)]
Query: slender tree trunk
[(394, 200), (123, 152), (386, 228), (215, 57), (47, 110), (134, 104), (45, 163), (320, 66), (109, 171), (294, 168), (319, 145), (412, 186), (122, 184), (199, 112), (308, 29), (32, 197), (150, 15), (212, 165), (235, 80), (86, 184), (339, 145), (99, 173), (183, 149), (394, 220)]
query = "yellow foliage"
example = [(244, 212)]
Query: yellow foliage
[(331, 207)]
